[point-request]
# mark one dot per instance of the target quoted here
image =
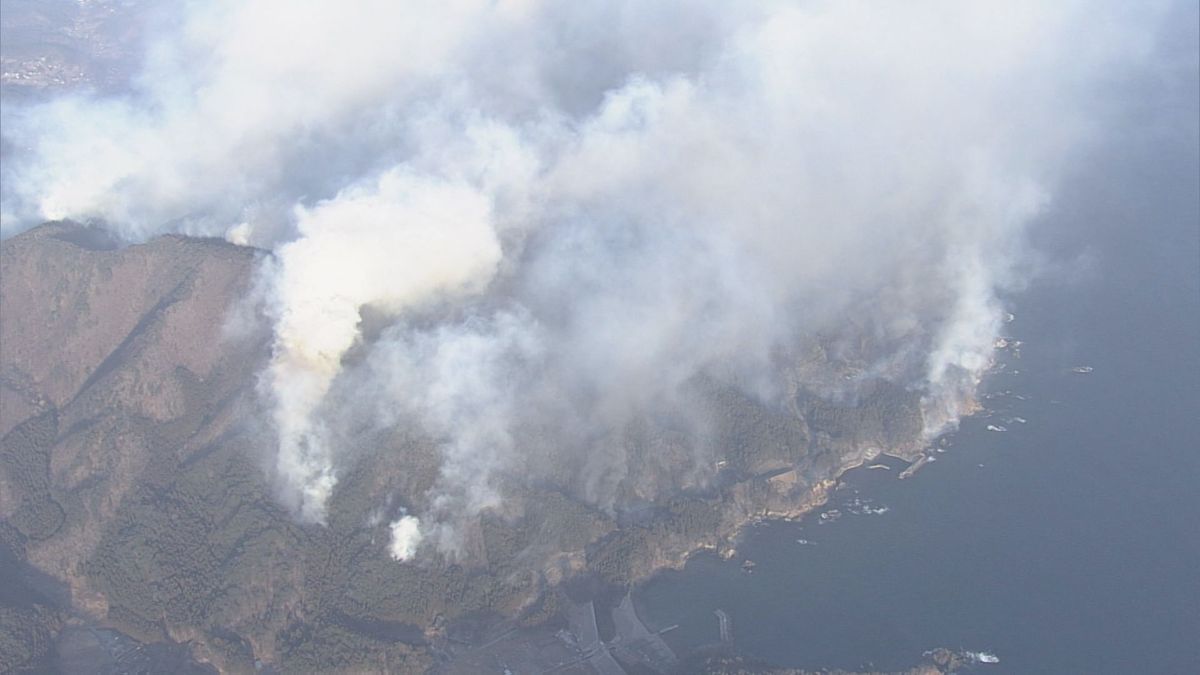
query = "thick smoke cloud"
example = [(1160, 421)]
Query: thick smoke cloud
[(423, 239), (560, 213)]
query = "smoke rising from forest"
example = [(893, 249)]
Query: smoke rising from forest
[(556, 215)]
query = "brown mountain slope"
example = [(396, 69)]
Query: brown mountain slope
[(115, 371), (131, 473), (113, 349), (138, 322)]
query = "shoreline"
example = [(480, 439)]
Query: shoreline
[(816, 496)]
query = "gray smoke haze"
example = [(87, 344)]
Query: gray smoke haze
[(563, 212)]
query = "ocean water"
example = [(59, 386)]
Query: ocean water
[(1069, 543)]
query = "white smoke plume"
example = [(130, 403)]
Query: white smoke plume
[(404, 240), (406, 537), (561, 212), (461, 381)]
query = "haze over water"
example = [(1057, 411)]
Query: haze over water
[(1067, 544)]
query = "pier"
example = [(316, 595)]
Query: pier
[(914, 467), (635, 643), (725, 624)]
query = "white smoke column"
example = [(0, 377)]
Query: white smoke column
[(962, 351), (406, 537), (403, 240), (461, 381), (975, 269)]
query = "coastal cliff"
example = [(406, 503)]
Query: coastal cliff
[(132, 473)]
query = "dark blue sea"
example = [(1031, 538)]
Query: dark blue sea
[(1069, 543)]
